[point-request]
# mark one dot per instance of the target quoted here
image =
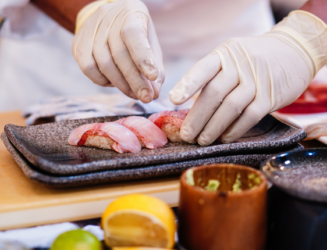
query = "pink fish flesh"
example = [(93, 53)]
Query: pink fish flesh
[(170, 122), (151, 136), (108, 135)]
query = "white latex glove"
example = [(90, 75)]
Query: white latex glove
[(244, 79), (116, 45)]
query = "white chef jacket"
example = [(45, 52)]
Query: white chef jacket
[(35, 52)]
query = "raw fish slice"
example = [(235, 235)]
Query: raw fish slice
[(77, 133), (170, 123), (314, 131), (170, 118), (125, 138), (148, 133), (108, 135), (181, 114), (155, 116)]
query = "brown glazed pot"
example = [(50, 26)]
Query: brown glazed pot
[(222, 219)]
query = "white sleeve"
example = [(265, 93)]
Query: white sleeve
[(162, 4), (22, 20)]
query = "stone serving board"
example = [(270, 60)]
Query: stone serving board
[(46, 147), (111, 176)]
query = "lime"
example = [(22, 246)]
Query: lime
[(76, 240)]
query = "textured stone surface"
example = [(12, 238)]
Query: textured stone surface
[(302, 173), (136, 173), (46, 147)]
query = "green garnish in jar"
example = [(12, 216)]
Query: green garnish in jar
[(255, 179), (189, 177), (237, 184), (212, 185)]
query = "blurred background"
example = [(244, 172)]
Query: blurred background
[(25, 58), (281, 8)]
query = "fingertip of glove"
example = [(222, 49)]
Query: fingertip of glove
[(186, 135), (149, 70), (203, 141), (151, 75), (226, 139), (145, 96), (175, 97)]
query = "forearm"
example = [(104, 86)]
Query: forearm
[(63, 11), (316, 7)]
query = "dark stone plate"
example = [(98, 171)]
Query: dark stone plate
[(302, 173), (46, 147), (110, 176)]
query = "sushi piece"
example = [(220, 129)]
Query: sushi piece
[(108, 135), (77, 133), (170, 122), (149, 135)]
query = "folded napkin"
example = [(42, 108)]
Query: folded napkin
[(68, 108), (43, 236), (303, 121)]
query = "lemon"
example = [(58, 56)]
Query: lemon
[(139, 220), (76, 240)]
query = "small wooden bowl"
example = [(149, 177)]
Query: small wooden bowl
[(223, 219)]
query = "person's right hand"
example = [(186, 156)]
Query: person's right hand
[(117, 46), (244, 79)]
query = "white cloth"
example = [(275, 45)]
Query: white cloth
[(303, 121), (35, 52), (43, 236), (193, 28), (69, 108)]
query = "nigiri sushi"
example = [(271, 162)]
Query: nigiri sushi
[(108, 135), (149, 135), (170, 123)]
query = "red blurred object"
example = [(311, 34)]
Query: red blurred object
[(313, 100)]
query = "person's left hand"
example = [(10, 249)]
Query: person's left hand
[(244, 79)]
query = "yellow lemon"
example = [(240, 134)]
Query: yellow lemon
[(139, 220)]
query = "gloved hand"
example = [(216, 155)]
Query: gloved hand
[(116, 45), (244, 79)]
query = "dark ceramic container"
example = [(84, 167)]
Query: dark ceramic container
[(294, 223), (223, 219), (297, 202)]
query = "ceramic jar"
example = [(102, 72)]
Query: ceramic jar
[(233, 217)]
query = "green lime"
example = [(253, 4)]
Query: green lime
[(76, 240)]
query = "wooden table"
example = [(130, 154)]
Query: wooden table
[(26, 203)]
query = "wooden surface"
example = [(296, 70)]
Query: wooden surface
[(21, 197)]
